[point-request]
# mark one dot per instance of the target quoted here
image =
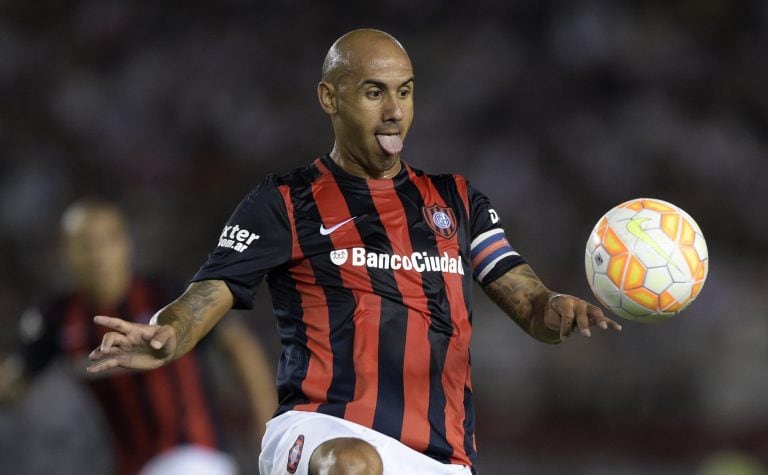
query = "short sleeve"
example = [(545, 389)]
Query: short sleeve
[(256, 239), (492, 255)]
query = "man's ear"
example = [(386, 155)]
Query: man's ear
[(326, 94)]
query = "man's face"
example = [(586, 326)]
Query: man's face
[(98, 249), (375, 108)]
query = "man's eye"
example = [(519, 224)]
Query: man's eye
[(374, 93), (405, 92)]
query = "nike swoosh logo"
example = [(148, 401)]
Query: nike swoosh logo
[(326, 231), (633, 226)]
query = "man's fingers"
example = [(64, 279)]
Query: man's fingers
[(559, 315), (112, 323), (131, 345), (582, 318), (133, 331), (103, 365), (101, 352), (161, 337), (598, 318), (96, 354), (573, 313), (112, 339), (564, 307)]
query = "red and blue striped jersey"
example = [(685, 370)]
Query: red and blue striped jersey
[(371, 283)]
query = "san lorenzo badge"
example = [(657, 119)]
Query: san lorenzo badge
[(294, 454), (441, 220)]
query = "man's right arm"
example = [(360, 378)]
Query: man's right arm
[(172, 332), (195, 312)]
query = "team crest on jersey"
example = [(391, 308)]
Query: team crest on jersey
[(441, 220), (294, 454)]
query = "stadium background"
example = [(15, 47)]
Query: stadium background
[(557, 110)]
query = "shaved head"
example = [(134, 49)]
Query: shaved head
[(354, 49), (367, 91)]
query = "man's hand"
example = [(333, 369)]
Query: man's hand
[(566, 313), (132, 346), (175, 330), (547, 316)]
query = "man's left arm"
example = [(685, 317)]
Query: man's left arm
[(548, 316)]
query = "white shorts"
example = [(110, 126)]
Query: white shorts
[(190, 460), (291, 438)]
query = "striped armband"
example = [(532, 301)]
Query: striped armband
[(487, 250)]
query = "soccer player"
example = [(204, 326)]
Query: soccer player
[(162, 420), (370, 265)]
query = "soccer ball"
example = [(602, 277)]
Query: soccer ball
[(646, 260)]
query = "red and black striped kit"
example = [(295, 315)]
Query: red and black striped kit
[(371, 283)]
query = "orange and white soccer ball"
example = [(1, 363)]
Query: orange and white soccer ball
[(646, 260)]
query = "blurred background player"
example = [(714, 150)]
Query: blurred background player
[(165, 416)]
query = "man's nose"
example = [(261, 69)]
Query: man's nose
[(392, 108)]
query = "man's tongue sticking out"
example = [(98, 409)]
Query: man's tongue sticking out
[(391, 144)]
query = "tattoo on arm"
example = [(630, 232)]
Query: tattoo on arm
[(523, 297), (195, 312)]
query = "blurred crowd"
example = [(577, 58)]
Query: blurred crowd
[(557, 110)]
